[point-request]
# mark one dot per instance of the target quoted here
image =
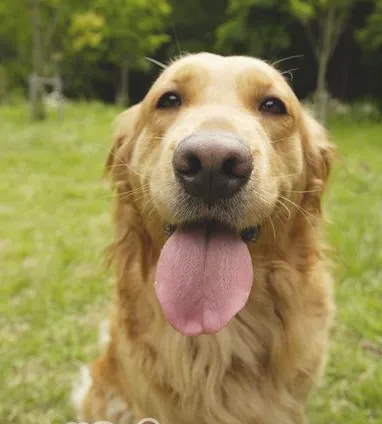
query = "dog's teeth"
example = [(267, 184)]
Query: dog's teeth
[(251, 235), (169, 229)]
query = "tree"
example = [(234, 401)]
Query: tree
[(134, 30), (36, 88), (45, 15), (31, 34), (324, 22), (15, 43), (124, 30), (193, 25), (253, 27)]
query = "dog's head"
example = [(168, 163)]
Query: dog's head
[(219, 150)]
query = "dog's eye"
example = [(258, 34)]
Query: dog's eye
[(273, 105), (169, 100)]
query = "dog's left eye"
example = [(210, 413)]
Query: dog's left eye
[(274, 106), (169, 100)]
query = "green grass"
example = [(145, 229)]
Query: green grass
[(55, 224)]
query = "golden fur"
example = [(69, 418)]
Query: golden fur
[(261, 368)]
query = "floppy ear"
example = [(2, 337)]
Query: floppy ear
[(126, 129), (318, 158), (126, 217)]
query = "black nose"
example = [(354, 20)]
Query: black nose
[(212, 165)]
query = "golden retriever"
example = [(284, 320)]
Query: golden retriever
[(223, 297)]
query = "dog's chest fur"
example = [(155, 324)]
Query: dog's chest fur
[(255, 371)]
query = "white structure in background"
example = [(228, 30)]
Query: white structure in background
[(53, 99)]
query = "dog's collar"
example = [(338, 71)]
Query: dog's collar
[(249, 235)]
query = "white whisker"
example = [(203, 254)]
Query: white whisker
[(296, 56)]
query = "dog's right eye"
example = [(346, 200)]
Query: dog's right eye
[(169, 100)]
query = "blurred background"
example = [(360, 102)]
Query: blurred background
[(97, 47), (67, 68)]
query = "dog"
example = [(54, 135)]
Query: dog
[(223, 295)]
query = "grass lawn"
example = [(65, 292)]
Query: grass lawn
[(54, 291)]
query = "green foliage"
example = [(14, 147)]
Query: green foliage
[(78, 34), (86, 30), (371, 36), (266, 38), (89, 41), (309, 9), (192, 26), (133, 28), (15, 37), (304, 10)]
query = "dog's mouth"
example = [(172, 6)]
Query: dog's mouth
[(249, 235), (204, 276)]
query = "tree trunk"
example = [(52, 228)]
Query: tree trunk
[(321, 94), (330, 30), (326, 47), (36, 94), (123, 95)]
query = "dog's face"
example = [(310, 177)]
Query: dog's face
[(219, 140), (218, 143)]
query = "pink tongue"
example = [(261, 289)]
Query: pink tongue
[(203, 279)]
